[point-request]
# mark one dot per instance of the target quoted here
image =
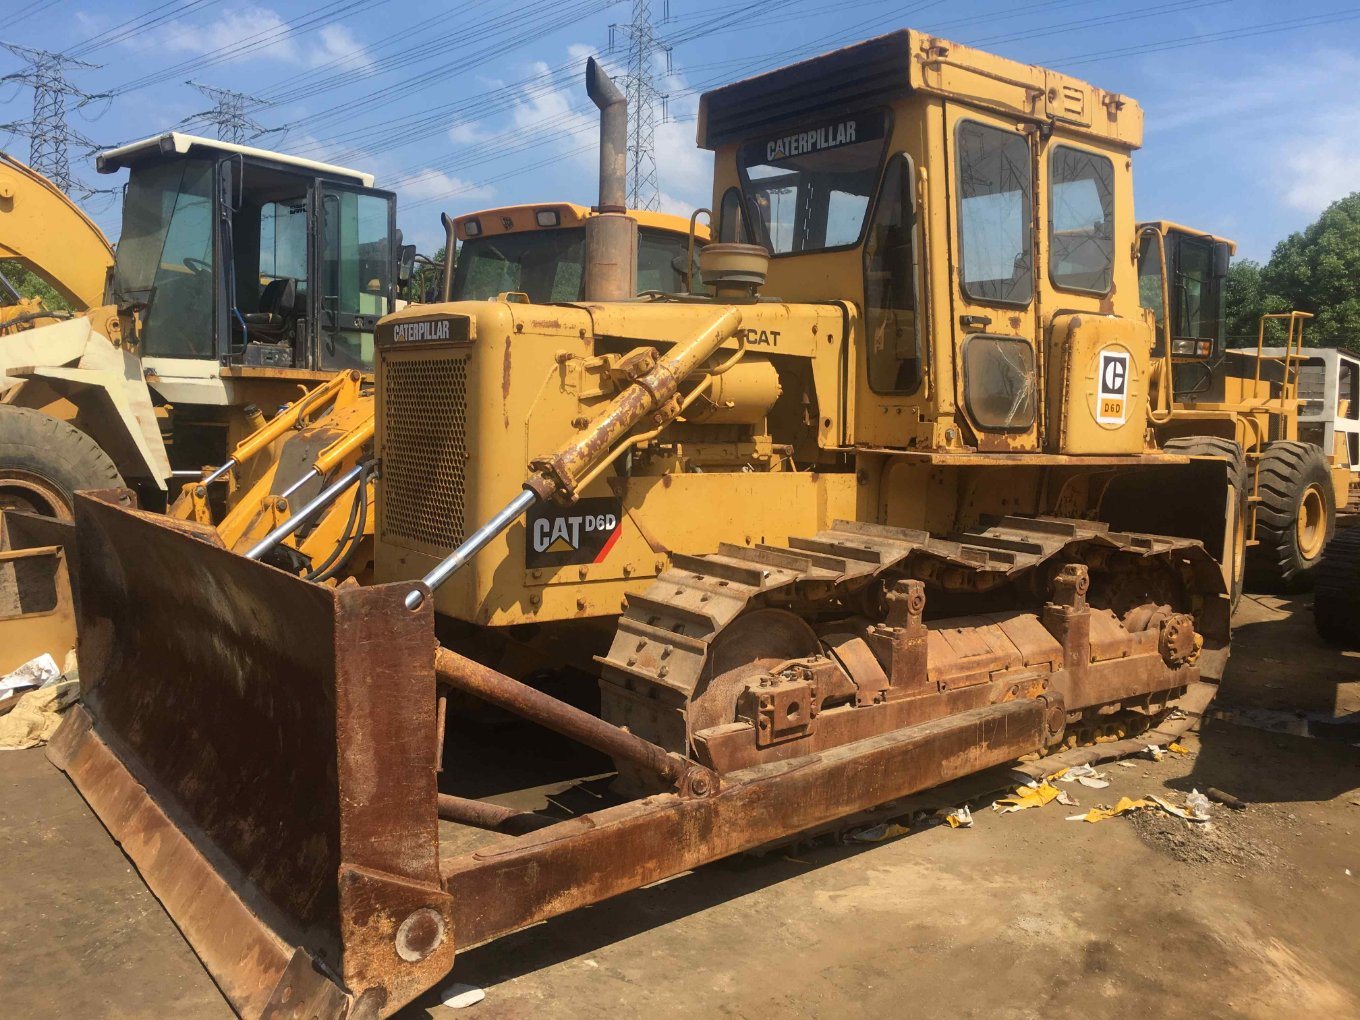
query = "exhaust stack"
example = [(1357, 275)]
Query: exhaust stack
[(611, 234)]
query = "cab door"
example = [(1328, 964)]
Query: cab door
[(993, 286), (352, 273)]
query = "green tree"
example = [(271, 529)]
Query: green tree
[(1315, 270), (28, 285), (1318, 270)]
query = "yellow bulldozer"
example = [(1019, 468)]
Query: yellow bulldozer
[(281, 481), (882, 508)]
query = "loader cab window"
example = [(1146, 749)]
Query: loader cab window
[(547, 265), (1195, 291), (894, 356), (1150, 285), (165, 258), (995, 190), (355, 286), (808, 187), (1080, 220)]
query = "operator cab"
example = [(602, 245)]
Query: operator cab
[(1185, 269), (250, 258), (539, 251)]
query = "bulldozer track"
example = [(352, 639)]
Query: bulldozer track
[(664, 638)]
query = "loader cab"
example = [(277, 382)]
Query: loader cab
[(539, 251), (1181, 282), (239, 258), (974, 217)]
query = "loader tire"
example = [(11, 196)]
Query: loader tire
[(1336, 594), (44, 461), (1231, 451), (1295, 516)]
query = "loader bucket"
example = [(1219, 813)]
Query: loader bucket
[(263, 749)]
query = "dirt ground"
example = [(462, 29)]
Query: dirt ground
[(1023, 915)]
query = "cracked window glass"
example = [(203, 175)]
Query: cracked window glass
[(998, 382), (995, 189), (1080, 220)]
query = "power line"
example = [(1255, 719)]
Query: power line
[(48, 133), (639, 86), (228, 115)]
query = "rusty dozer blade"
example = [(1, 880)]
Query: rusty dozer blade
[(262, 748)]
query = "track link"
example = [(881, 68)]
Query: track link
[(665, 637)]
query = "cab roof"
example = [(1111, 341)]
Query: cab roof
[(1172, 227), (889, 68), (513, 219), (175, 143)]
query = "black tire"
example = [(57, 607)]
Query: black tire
[(1336, 595), (1295, 517), (45, 461), (1231, 451)]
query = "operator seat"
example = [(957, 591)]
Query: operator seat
[(278, 305)]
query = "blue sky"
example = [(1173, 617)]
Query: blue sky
[(1251, 125)]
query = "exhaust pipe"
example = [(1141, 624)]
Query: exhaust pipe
[(611, 234)]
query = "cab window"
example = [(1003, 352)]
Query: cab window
[(808, 187), (661, 259), (894, 357), (1080, 220), (994, 186)]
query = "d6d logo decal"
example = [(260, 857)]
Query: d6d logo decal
[(582, 533), (1112, 388)]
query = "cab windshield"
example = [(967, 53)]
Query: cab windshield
[(549, 265), (808, 188), (165, 257)]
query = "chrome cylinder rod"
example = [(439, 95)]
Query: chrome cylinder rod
[(220, 471), (322, 499), (474, 544), (313, 473)]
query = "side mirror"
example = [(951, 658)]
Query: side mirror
[(406, 264), (1222, 256)]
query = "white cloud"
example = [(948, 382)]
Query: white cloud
[(256, 33), (430, 183), (339, 44), (1287, 120), (1322, 170), (466, 132)]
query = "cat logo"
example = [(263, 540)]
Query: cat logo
[(1112, 389), (583, 533), (762, 338)]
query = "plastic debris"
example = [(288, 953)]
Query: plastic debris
[(36, 672), (1154, 752), (459, 996), (876, 833), (1066, 800), (1031, 795), (959, 818), (1100, 813), (1127, 764), (1176, 748), (1083, 774), (1197, 804)]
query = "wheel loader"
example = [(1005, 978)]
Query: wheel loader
[(1286, 419), (837, 531), (241, 275), (277, 478)]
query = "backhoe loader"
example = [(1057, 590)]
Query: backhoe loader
[(532, 253), (849, 525)]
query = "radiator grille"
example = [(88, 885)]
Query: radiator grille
[(425, 448)]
